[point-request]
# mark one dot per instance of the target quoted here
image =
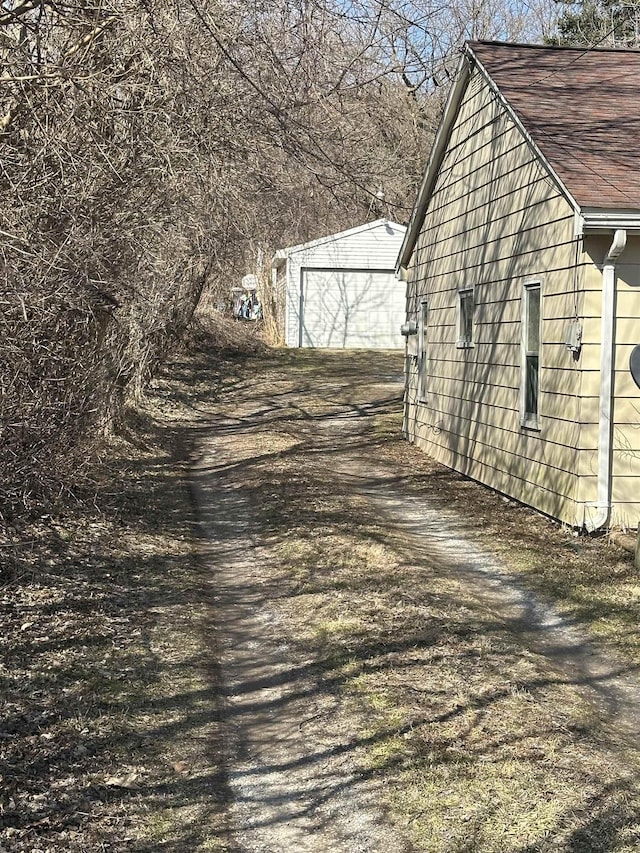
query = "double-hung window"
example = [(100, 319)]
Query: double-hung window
[(530, 376), (466, 306)]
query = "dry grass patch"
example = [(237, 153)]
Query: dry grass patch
[(482, 744), (111, 732), (110, 704)]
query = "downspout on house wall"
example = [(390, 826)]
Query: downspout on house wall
[(607, 367)]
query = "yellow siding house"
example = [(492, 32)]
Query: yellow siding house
[(522, 263)]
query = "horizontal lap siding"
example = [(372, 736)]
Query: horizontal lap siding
[(456, 414), (280, 295), (496, 220), (626, 413), (293, 303), (545, 481), (626, 428)]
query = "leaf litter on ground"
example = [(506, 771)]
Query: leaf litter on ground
[(112, 721)]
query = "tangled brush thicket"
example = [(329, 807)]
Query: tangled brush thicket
[(150, 149), (103, 228)]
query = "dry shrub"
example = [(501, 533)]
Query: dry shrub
[(212, 329), (151, 147), (272, 310), (51, 383), (104, 244)]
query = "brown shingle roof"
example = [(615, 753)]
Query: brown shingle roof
[(581, 108)]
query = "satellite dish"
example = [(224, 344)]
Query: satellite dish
[(634, 365)]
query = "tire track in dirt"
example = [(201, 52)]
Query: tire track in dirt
[(611, 685), (293, 782)]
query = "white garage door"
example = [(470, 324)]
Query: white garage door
[(352, 309)]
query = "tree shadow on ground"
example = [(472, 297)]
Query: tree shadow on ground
[(299, 494), (115, 712)]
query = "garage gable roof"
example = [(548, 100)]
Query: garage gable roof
[(281, 256), (577, 108)]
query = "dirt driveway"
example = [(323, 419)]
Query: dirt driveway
[(407, 660)]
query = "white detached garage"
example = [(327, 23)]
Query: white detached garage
[(341, 292)]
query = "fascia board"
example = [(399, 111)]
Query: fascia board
[(594, 220), (528, 138), (433, 166)]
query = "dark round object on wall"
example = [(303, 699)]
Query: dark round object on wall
[(634, 364)]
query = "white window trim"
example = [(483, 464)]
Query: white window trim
[(527, 420), (423, 353), (462, 343)]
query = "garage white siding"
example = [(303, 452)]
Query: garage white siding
[(341, 290)]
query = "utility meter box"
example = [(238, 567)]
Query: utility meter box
[(409, 330)]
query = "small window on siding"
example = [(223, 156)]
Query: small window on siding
[(465, 317), (423, 350), (530, 382)]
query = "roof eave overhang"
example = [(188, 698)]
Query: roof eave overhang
[(604, 221)]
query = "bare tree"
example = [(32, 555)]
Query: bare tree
[(147, 147)]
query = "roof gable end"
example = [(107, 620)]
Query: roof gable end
[(578, 110), (283, 254)]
